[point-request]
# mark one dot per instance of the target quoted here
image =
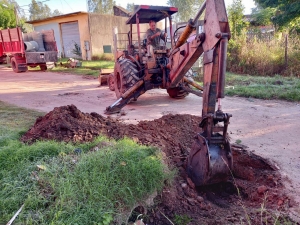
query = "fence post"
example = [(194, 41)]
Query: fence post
[(286, 51), (115, 40)]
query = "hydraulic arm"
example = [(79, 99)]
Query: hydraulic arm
[(210, 159)]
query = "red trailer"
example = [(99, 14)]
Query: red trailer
[(29, 49)]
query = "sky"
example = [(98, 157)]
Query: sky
[(68, 6)]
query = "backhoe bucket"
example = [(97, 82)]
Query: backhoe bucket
[(209, 163)]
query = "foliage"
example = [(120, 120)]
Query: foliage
[(38, 10), (9, 12), (76, 50), (236, 18), (101, 6), (26, 27), (56, 12), (70, 188), (181, 219), (286, 11), (294, 26), (186, 9), (130, 7), (262, 16), (7, 15), (264, 58)]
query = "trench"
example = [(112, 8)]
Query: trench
[(254, 181)]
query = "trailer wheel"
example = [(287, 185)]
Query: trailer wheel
[(126, 76), (14, 65), (111, 82), (43, 67)]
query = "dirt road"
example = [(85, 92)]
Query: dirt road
[(269, 128)]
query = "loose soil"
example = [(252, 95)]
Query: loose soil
[(255, 194)]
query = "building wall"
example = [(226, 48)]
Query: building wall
[(96, 29), (101, 31), (54, 24)]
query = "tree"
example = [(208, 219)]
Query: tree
[(286, 13), (56, 12), (38, 10), (236, 18), (186, 9), (130, 7), (7, 15), (262, 16), (286, 10), (101, 6)]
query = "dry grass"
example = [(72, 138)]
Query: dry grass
[(104, 57), (264, 58)]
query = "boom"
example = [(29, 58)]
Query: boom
[(210, 159)]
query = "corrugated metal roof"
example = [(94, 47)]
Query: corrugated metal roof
[(150, 12), (56, 17)]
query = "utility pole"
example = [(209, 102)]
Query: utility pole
[(16, 15)]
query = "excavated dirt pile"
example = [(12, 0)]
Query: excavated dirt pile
[(256, 181)]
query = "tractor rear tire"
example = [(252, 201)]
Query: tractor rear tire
[(126, 75), (111, 82)]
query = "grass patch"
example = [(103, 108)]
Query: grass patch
[(88, 67), (79, 71), (91, 68), (72, 186), (181, 219), (277, 87), (15, 121)]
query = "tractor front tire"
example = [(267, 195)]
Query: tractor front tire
[(177, 93), (126, 75)]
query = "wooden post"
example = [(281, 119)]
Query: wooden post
[(115, 40), (286, 51)]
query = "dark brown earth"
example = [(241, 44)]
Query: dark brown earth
[(254, 195)]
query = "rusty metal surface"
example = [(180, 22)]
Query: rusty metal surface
[(185, 34), (11, 41), (149, 12), (209, 163), (41, 57), (132, 89), (199, 13), (211, 25), (208, 56), (222, 68), (183, 59), (193, 83)]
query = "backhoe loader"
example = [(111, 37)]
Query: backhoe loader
[(140, 68)]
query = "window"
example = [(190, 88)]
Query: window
[(107, 49)]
